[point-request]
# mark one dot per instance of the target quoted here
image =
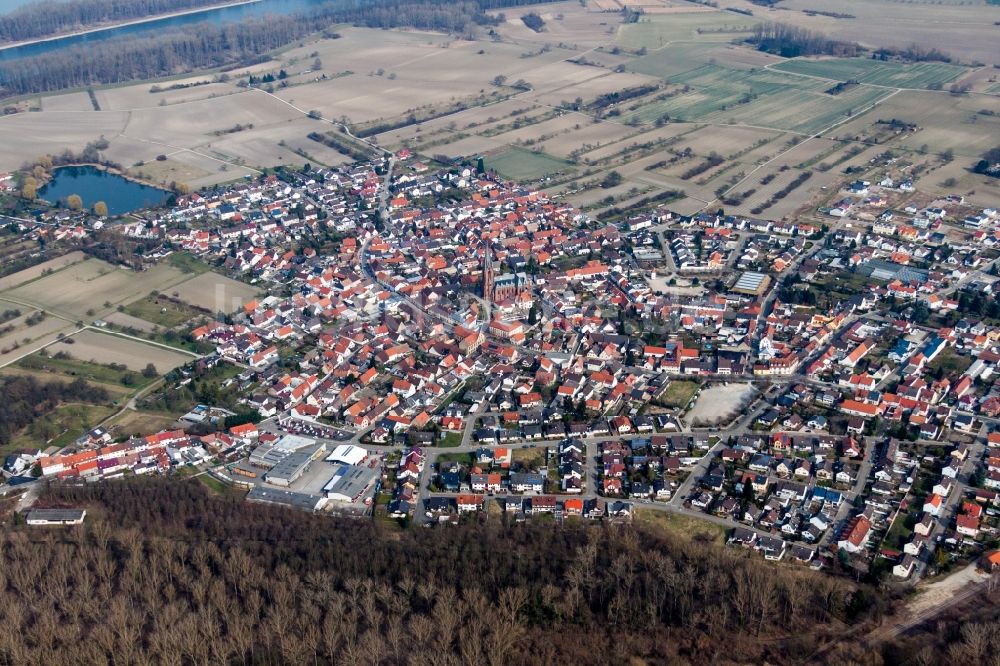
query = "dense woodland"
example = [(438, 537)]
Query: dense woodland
[(25, 399), (166, 572), (207, 45), (51, 17)]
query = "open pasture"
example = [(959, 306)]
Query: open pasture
[(104, 348), (213, 292), (874, 72)]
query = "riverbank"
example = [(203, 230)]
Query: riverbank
[(124, 24)]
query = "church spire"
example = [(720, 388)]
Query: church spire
[(489, 277)]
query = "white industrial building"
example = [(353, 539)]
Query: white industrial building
[(347, 454)]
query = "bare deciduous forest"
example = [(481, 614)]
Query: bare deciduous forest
[(50, 17), (207, 45), (166, 572)]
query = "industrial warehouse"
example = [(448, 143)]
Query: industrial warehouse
[(292, 471)]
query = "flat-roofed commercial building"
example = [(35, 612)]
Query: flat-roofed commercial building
[(56, 516), (286, 498), (350, 483)]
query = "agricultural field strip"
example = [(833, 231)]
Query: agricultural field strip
[(787, 67), (814, 136)]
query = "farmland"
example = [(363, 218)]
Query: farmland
[(103, 348), (528, 103), (874, 72), (92, 287)]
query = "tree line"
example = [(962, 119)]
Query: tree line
[(207, 45), (166, 572), (791, 41), (133, 58), (25, 399), (41, 19)]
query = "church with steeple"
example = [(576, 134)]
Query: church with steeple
[(498, 288)]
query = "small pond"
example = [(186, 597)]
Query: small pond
[(92, 184)]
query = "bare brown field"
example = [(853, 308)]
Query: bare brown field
[(585, 132), (191, 124), (139, 96), (24, 334), (965, 31), (470, 145), (260, 146), (790, 204), (28, 274), (978, 190), (81, 290), (129, 321), (597, 83), (36, 344), (172, 170), (25, 136), (214, 292), (479, 117), (78, 101), (103, 348), (578, 27)]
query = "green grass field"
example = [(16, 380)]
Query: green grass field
[(678, 393), (161, 311), (874, 72), (188, 263), (520, 164), (760, 97)]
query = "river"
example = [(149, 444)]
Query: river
[(218, 15)]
